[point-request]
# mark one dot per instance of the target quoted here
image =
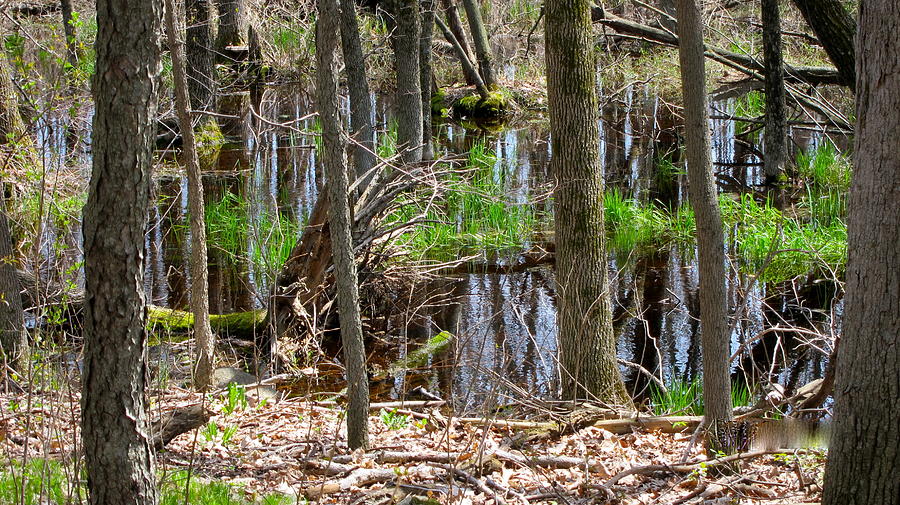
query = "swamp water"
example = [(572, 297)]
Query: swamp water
[(265, 182)]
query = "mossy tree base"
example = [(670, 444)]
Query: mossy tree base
[(494, 106)]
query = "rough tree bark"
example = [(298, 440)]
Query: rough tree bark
[(710, 236), (13, 337), (458, 35), (409, 94), (198, 48), (482, 43), (339, 218), (232, 23), (587, 347), (835, 29), (864, 452), (203, 336), (118, 456), (361, 126), (425, 75), (776, 116)]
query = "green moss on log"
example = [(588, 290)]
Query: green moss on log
[(475, 107), (420, 357), (238, 324)]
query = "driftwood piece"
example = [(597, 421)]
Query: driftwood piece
[(357, 478), (175, 422)]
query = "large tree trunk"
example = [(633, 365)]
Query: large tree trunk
[(203, 335), (409, 94), (458, 34), (425, 75), (776, 116), (118, 456), (198, 47), (232, 23), (339, 218), (361, 126), (482, 43), (13, 337), (835, 29), (587, 347), (710, 236), (864, 452)]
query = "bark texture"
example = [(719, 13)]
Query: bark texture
[(587, 347), (704, 200), (425, 75), (118, 456), (864, 452), (464, 60), (203, 335), (361, 120), (482, 42), (232, 23), (776, 116), (458, 36), (198, 47), (409, 93), (13, 337), (836, 30), (340, 223)]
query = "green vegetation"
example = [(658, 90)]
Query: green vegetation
[(686, 397), (473, 106), (239, 324), (393, 420)]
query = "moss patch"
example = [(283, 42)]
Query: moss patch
[(210, 140), (474, 107), (238, 324), (419, 358)]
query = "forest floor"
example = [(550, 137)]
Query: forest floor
[(297, 448)]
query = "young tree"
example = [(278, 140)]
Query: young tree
[(118, 456), (456, 35), (776, 116), (361, 126), (710, 237), (482, 42), (864, 452), (204, 338), (340, 221), (587, 347), (835, 29), (409, 93), (198, 48)]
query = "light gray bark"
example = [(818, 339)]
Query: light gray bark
[(361, 125), (339, 220), (482, 43), (704, 200), (776, 115), (118, 456), (458, 36), (864, 452), (587, 347), (203, 336), (463, 58)]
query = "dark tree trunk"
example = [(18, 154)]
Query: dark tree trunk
[(776, 116), (409, 94), (361, 126), (710, 236), (587, 346), (232, 23), (13, 337), (198, 46), (425, 75), (118, 456), (69, 31), (482, 43), (203, 335), (333, 144), (835, 29), (864, 452), (459, 34)]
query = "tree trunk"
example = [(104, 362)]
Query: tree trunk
[(232, 23), (339, 217), (776, 116), (482, 43), (835, 29), (13, 337), (864, 452), (463, 59), (587, 346), (69, 31), (198, 47), (425, 75), (118, 456), (409, 94), (361, 126), (12, 128), (459, 35), (203, 335), (710, 236)]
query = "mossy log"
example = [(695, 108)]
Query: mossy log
[(420, 357), (494, 106), (239, 324)]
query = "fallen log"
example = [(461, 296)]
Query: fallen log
[(175, 422), (357, 478)]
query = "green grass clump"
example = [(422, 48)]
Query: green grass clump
[(686, 397), (181, 488), (827, 176), (40, 481)]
